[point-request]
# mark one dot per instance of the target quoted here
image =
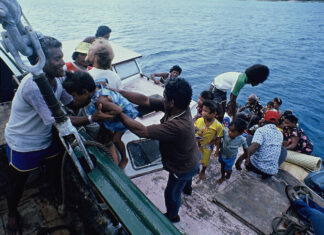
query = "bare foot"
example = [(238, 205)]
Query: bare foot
[(202, 176), (238, 167), (220, 180), (122, 164)]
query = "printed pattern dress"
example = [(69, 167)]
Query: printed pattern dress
[(304, 144)]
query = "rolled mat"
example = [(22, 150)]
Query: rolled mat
[(310, 162), (297, 171)]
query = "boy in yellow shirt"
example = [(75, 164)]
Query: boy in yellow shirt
[(209, 132)]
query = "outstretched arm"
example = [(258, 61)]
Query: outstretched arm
[(98, 116), (161, 75), (134, 126), (135, 98)]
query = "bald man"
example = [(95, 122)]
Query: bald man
[(255, 110)]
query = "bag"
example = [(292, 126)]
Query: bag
[(315, 181)]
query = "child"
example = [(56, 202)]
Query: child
[(277, 102), (232, 140), (112, 127), (270, 106), (175, 71), (208, 132), (205, 95)]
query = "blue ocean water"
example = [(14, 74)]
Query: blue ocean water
[(210, 37)]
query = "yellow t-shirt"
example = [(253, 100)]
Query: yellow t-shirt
[(208, 134)]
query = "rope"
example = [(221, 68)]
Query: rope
[(86, 143)]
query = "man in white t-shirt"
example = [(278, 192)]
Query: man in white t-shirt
[(235, 81), (100, 55), (28, 133)]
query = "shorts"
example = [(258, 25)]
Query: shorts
[(27, 161), (228, 162), (219, 95), (205, 156)]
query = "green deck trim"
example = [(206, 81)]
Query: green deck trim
[(135, 211)]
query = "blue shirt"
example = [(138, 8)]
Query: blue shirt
[(118, 99), (266, 157), (230, 146)]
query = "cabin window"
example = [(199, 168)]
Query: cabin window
[(144, 153), (127, 69)]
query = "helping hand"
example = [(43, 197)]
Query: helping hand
[(247, 162), (100, 116), (231, 108)]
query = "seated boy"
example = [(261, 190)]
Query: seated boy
[(175, 72), (232, 140), (205, 95), (208, 132)]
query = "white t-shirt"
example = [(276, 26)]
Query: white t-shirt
[(30, 124), (226, 81), (113, 80)]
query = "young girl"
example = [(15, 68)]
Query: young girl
[(277, 102), (208, 132)]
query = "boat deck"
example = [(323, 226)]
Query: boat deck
[(244, 204)]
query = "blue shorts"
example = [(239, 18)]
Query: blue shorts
[(27, 161), (228, 162)]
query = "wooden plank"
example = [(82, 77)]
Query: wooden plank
[(253, 202)]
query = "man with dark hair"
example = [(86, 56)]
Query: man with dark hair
[(175, 72), (235, 81), (79, 63), (28, 133), (176, 135), (103, 32)]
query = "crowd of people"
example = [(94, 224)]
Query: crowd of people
[(92, 95)]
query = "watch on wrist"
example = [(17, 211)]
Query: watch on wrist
[(90, 119)]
